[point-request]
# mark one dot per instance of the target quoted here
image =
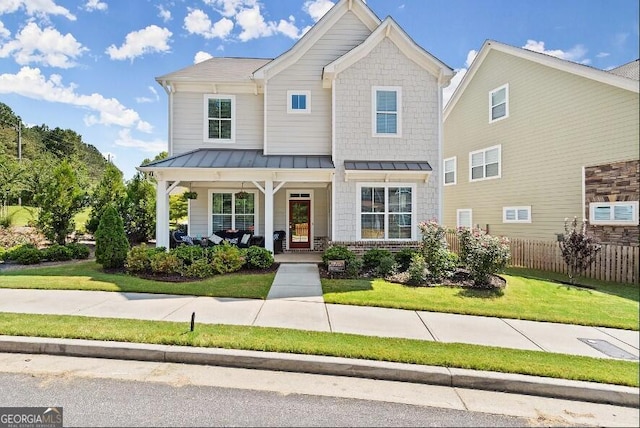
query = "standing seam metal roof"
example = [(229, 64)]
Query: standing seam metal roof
[(355, 165)]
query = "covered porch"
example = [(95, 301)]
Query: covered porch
[(247, 190)]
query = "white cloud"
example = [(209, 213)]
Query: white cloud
[(4, 33), (126, 140), (144, 126), (575, 54), (164, 14), (230, 8), (30, 82), (137, 43), (201, 56), (92, 5), (317, 8), (603, 54), (153, 99), (41, 8), (447, 92), (253, 24), (47, 47), (471, 55), (198, 22)]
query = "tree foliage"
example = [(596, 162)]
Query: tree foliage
[(578, 249), (110, 190), (111, 242), (139, 210)]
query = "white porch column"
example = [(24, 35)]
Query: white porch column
[(268, 215), (162, 215)]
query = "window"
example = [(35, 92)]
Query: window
[(464, 218), (387, 104), (219, 124), (485, 164), (386, 211), (229, 212), (449, 171), (516, 214), (298, 101), (614, 213), (499, 103)]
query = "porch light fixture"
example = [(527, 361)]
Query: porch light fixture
[(242, 194)]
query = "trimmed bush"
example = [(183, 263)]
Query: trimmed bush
[(440, 262), (352, 263), (139, 259), (111, 242), (79, 251), (188, 254), (403, 258), (417, 270), (227, 258), (57, 253), (258, 258), (484, 255), (371, 259), (200, 268), (165, 264), (3, 253), (25, 254), (386, 266)]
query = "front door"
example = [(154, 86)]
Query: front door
[(299, 224)]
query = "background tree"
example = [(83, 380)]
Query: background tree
[(110, 190), (178, 207), (111, 242), (139, 210), (578, 249), (62, 197)]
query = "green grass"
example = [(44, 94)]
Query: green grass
[(525, 297), (21, 215), (332, 344), (89, 276)]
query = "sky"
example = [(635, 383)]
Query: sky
[(90, 65)]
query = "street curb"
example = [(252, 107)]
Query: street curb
[(336, 366)]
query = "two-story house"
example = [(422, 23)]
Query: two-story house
[(531, 139), (338, 139)]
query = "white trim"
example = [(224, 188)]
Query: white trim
[(584, 193), (264, 119), (414, 208), (205, 128), (440, 208), (333, 207), (455, 170), (374, 111), (306, 110), (484, 177), (516, 211), (333, 124), (189, 217), (458, 211), (170, 124), (310, 198), (612, 221), (506, 103), (256, 208)]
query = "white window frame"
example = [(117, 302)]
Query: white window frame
[(455, 170), (386, 186), (256, 208), (306, 110), (612, 221), (374, 111), (517, 211), (506, 103), (205, 128), (484, 164), (458, 211)]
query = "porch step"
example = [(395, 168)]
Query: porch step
[(299, 257)]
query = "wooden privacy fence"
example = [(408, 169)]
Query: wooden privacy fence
[(615, 263)]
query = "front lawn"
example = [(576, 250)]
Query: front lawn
[(22, 215), (424, 352), (89, 276), (526, 296)]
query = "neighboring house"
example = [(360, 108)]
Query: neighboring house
[(336, 140), (530, 139)]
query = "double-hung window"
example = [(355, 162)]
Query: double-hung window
[(614, 213), (485, 164), (386, 211), (387, 111), (298, 101), (231, 212), (516, 214), (449, 169), (219, 110), (499, 103)]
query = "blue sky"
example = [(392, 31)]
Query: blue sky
[(90, 65)]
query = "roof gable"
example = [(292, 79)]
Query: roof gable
[(543, 59), (358, 7), (389, 29), (217, 70)]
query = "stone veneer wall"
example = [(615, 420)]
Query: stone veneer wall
[(360, 247), (613, 182)]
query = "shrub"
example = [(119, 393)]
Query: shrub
[(403, 258), (139, 259), (57, 253), (200, 268), (417, 270), (188, 254), (78, 251), (111, 242), (3, 253), (352, 263), (14, 252), (371, 258), (258, 258), (578, 249), (440, 262), (484, 255), (165, 264), (386, 266), (227, 258), (25, 254)]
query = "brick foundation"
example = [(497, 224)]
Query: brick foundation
[(360, 247)]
